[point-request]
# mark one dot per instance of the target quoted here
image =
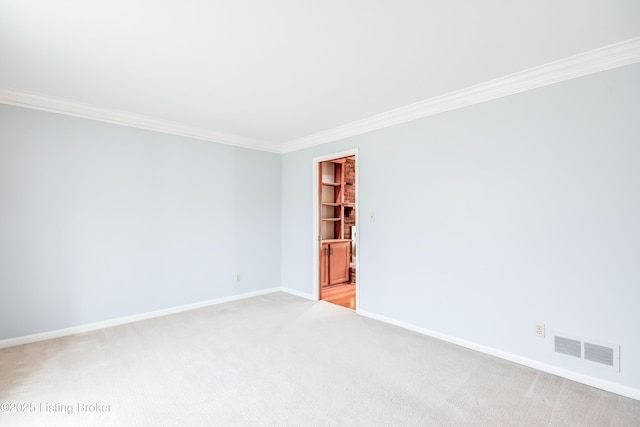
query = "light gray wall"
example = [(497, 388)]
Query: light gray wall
[(488, 218), (99, 221), (495, 216)]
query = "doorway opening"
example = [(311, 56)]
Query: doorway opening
[(336, 228)]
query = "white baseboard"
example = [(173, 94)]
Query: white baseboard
[(298, 293), (27, 339), (612, 387)]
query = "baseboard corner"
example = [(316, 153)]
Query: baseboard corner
[(297, 293)]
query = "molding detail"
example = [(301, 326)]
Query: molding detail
[(92, 112), (612, 387), (594, 61)]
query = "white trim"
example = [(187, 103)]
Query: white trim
[(602, 59), (124, 118), (298, 293), (27, 339), (605, 58), (315, 285), (612, 387)]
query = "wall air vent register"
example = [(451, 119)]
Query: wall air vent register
[(584, 349)]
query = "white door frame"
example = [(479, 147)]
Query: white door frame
[(316, 221)]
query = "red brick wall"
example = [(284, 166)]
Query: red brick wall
[(349, 195), (350, 181)]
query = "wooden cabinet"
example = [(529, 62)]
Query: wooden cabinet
[(324, 265), (335, 258)]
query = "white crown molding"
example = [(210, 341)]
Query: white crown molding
[(602, 59), (92, 112)]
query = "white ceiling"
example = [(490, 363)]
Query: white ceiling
[(272, 72)]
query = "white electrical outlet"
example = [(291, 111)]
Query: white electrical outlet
[(538, 329), (238, 277)]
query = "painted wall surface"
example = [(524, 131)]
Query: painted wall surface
[(494, 216), (99, 221)]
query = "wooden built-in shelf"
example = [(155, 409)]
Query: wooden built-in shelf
[(335, 250), (331, 199)]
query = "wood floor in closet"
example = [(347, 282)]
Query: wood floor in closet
[(344, 295)]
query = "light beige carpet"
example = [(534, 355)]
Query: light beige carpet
[(279, 360)]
